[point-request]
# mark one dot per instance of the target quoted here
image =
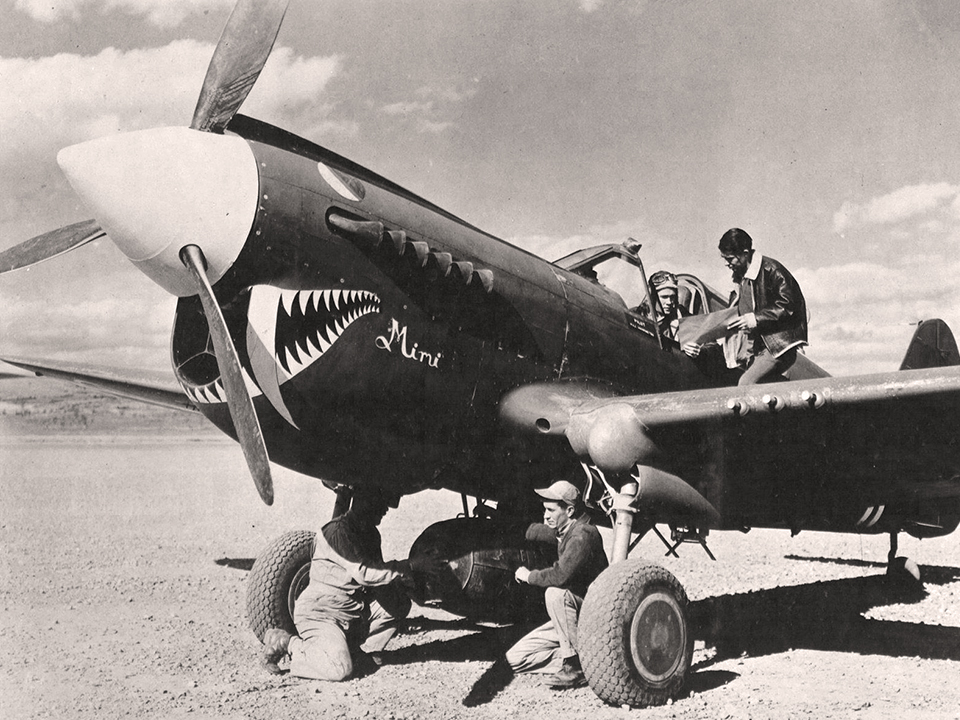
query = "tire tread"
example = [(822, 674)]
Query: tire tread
[(603, 650), (270, 579)]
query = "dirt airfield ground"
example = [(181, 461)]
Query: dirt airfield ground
[(122, 581)]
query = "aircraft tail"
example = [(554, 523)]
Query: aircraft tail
[(932, 346)]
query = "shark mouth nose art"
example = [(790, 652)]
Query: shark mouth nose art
[(289, 330), (309, 322)]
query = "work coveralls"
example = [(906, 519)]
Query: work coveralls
[(351, 599)]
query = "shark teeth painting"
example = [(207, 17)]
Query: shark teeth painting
[(289, 330), (213, 392), (309, 322)]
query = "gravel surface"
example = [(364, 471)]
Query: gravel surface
[(122, 579)]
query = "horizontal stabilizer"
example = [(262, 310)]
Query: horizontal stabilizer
[(932, 346)]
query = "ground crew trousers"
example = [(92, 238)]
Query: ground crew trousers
[(544, 648), (323, 650)]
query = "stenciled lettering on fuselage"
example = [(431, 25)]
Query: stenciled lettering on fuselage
[(396, 340)]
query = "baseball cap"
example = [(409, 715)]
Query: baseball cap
[(561, 491)]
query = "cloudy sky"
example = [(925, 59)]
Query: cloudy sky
[(829, 130)]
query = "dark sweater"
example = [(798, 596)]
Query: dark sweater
[(580, 556)]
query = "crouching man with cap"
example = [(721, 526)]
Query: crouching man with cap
[(552, 647), (354, 597)]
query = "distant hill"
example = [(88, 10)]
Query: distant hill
[(41, 406)]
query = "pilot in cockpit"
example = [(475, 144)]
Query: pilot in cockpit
[(664, 291)]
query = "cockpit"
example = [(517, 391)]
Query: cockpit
[(618, 273), (618, 268)]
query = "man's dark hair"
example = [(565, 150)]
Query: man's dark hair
[(734, 241)]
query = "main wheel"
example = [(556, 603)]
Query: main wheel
[(635, 641), (276, 580)]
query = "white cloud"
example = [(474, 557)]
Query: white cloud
[(162, 13), (408, 108), (851, 283), (289, 93), (88, 306), (863, 314), (53, 102), (447, 94), (588, 6), (54, 310), (436, 128), (554, 247), (902, 204), (431, 112), (634, 6), (59, 100)]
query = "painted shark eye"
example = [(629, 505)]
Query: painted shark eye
[(345, 186)]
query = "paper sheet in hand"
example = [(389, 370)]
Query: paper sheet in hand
[(701, 329)]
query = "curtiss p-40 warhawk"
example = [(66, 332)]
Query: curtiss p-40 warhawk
[(339, 325)]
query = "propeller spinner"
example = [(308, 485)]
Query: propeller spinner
[(180, 203)]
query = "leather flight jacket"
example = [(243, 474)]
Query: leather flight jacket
[(780, 309)]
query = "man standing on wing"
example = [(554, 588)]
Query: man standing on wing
[(772, 315), (552, 647)]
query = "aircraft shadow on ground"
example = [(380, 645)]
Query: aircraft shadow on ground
[(236, 563), (837, 561), (817, 616), (483, 644), (824, 616)]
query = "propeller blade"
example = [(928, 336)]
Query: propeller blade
[(244, 47), (43, 247), (244, 415)]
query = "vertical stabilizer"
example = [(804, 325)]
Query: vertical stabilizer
[(932, 346)]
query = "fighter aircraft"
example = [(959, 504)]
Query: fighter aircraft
[(339, 325)]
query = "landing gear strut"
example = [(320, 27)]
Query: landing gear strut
[(635, 640), (901, 569)]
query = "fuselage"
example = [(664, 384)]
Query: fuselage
[(375, 366), (378, 336)]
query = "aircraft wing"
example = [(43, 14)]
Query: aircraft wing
[(615, 433), (153, 388), (876, 438)]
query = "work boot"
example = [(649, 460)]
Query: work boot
[(569, 676), (275, 642), (365, 663)]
